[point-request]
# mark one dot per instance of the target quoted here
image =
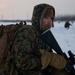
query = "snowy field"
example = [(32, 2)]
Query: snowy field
[(65, 37)]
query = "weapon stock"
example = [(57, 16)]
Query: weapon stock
[(49, 39)]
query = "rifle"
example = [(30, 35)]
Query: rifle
[(49, 39)]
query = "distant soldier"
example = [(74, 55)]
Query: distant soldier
[(67, 25), (21, 23), (24, 22)]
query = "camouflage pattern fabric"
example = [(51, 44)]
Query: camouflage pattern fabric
[(23, 56), (24, 53)]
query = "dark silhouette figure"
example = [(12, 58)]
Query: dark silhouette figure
[(21, 23), (67, 25), (24, 22)]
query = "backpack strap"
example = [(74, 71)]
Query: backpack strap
[(1, 30)]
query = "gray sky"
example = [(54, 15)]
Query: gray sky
[(22, 9)]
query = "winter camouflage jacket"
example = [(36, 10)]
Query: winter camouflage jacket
[(23, 55)]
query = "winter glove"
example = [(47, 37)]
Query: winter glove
[(52, 59)]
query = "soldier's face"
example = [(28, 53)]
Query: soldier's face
[(47, 20)]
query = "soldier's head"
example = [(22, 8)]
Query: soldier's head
[(43, 16)]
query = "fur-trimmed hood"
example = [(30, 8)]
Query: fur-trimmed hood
[(38, 13)]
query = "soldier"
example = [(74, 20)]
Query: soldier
[(28, 54), (67, 25)]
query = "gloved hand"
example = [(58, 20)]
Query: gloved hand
[(69, 67), (52, 59)]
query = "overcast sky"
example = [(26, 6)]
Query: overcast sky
[(22, 9)]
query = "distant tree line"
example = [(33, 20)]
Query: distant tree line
[(65, 18)]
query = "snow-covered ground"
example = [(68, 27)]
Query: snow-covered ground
[(65, 37)]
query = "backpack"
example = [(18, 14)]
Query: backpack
[(7, 32)]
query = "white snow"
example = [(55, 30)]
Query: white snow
[(65, 37)]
